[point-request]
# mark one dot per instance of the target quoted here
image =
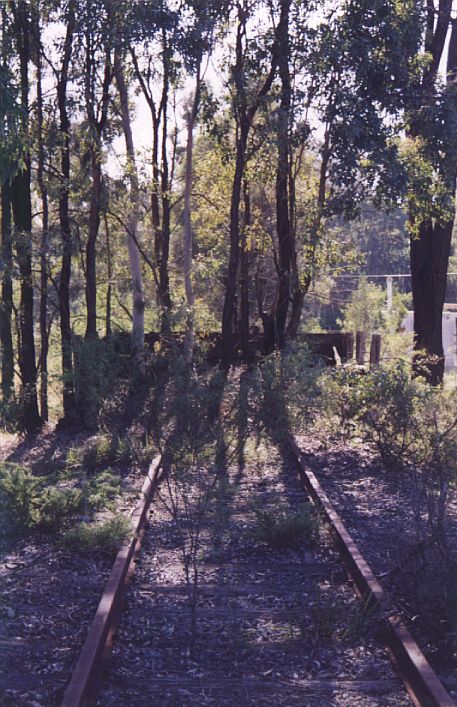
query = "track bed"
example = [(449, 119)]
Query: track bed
[(273, 626)]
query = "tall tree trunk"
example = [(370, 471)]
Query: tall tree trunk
[(430, 250), (429, 262), (229, 310), (187, 233), (134, 253), (65, 226), (164, 278), (6, 309), (110, 275), (22, 213), (286, 244), (44, 334), (97, 115), (244, 273), (160, 194), (91, 249), (245, 112)]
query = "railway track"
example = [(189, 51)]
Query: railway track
[(272, 626)]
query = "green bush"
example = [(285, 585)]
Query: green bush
[(40, 503), (105, 538), (94, 454), (283, 528), (98, 366), (33, 502), (287, 384)]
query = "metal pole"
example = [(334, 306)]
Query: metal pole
[(389, 283)]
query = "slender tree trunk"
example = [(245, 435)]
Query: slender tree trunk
[(187, 233), (110, 275), (44, 334), (134, 253), (245, 113), (6, 309), (244, 273), (286, 244), (22, 213), (91, 249), (164, 278), (160, 195), (66, 338), (229, 310)]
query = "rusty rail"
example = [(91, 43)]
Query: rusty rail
[(86, 674), (420, 680)]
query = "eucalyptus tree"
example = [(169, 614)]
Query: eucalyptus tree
[(38, 18), (10, 146), (68, 16), (252, 76), (95, 43), (432, 129), (121, 46), (200, 24), (21, 202), (153, 36)]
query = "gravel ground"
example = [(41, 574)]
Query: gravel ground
[(376, 506), (273, 627), (48, 596)]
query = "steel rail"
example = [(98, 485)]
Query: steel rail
[(419, 678), (81, 690)]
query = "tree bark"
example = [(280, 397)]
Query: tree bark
[(137, 337), (97, 114), (91, 250), (108, 329), (160, 194), (430, 249), (286, 244), (44, 333), (244, 112), (429, 262), (187, 233), (244, 273), (6, 309), (65, 226), (22, 212)]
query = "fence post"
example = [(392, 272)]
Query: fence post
[(375, 350), (360, 347), (348, 346)]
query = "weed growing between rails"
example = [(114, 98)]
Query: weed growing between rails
[(210, 424)]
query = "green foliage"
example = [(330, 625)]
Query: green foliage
[(105, 538), (335, 618), (45, 503), (34, 504), (429, 196), (98, 366), (284, 528), (288, 388), (366, 310), (94, 454), (100, 491)]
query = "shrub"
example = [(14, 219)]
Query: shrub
[(35, 504), (39, 503), (98, 365), (96, 453), (282, 528), (105, 538)]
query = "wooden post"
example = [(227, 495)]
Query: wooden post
[(360, 347), (349, 346), (375, 350)]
